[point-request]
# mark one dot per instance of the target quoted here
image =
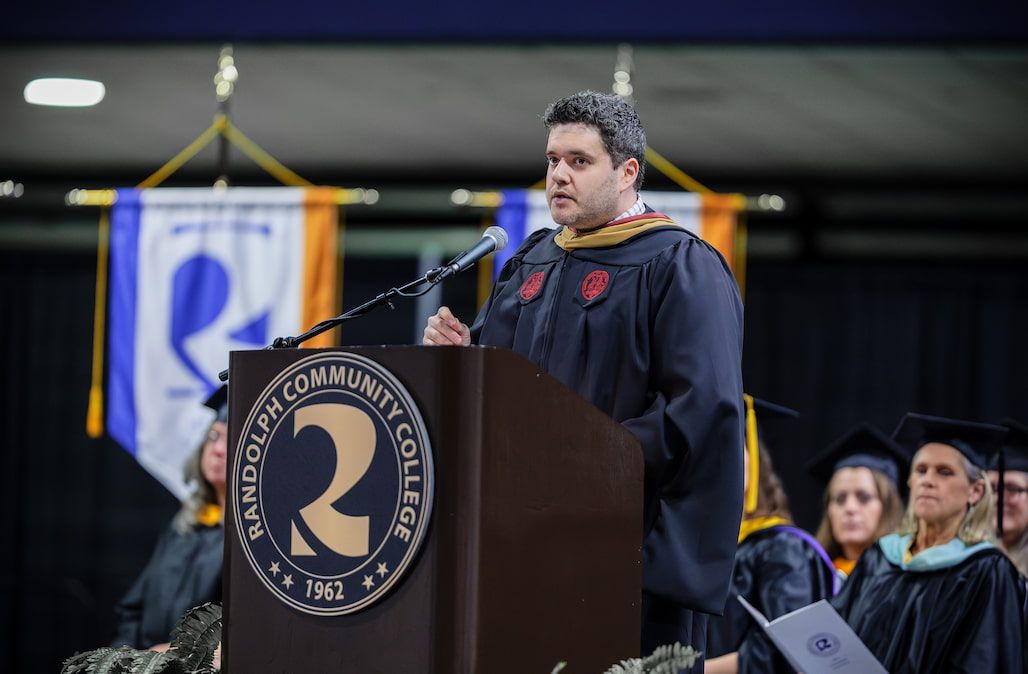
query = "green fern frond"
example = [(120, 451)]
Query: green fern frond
[(110, 660), (195, 639), (75, 664), (670, 659), (152, 662), (631, 666), (197, 636)]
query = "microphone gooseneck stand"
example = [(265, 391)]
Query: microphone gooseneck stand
[(431, 277)]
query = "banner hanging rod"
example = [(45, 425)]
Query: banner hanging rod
[(763, 203), (344, 197)]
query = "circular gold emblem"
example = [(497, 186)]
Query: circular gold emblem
[(332, 483)]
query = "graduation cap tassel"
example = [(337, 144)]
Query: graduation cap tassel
[(999, 491), (753, 451)]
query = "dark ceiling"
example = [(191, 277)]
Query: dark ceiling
[(867, 99), (437, 110)]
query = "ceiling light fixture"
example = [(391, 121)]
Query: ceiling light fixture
[(64, 91)]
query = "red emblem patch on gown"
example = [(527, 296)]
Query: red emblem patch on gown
[(531, 285), (594, 284)]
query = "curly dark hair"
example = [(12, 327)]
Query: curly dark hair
[(619, 126)]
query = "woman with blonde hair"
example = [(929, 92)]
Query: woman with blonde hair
[(939, 595), (861, 503), (185, 567)]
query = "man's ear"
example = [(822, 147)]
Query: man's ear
[(627, 173)]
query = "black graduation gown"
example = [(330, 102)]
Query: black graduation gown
[(965, 618), (184, 571), (777, 572), (657, 345)]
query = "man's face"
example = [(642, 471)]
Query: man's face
[(585, 191)]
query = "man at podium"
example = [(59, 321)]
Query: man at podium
[(644, 320)]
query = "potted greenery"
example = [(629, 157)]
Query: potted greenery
[(197, 636), (195, 641), (664, 660)]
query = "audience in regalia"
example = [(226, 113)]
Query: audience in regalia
[(939, 595)]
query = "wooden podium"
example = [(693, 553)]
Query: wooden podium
[(532, 554)]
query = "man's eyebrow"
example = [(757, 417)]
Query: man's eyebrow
[(573, 153)]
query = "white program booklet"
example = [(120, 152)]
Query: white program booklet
[(816, 640)]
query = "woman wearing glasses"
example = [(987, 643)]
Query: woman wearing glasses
[(1013, 530)]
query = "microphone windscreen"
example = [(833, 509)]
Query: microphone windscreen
[(497, 234)]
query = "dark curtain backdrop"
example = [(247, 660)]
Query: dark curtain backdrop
[(83, 514), (844, 342), (838, 341)]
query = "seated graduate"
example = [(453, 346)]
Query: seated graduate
[(778, 567), (939, 595), (184, 570), (861, 473), (1011, 519)]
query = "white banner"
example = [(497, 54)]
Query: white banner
[(196, 273)]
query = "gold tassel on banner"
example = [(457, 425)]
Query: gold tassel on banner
[(95, 411)]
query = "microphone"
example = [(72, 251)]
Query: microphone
[(493, 239)]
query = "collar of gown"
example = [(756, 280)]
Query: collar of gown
[(895, 548), (612, 234)]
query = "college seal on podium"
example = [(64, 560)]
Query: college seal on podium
[(332, 483)]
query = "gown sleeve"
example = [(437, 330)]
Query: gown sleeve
[(692, 432)]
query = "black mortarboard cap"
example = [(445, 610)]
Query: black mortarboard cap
[(1015, 447), (758, 413), (976, 441), (768, 414), (862, 446), (218, 401)]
